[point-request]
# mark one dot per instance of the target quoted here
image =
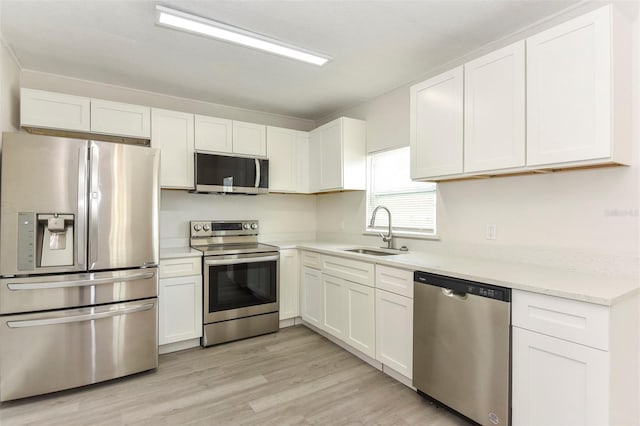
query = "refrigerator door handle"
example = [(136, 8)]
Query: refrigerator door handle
[(94, 201), (81, 240), (78, 283), (78, 318)]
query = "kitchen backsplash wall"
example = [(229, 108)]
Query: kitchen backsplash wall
[(282, 217)]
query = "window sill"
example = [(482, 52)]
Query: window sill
[(409, 235)]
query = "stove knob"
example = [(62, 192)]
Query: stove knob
[(254, 226), (206, 227), (245, 226), (197, 227)]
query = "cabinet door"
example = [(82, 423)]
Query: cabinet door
[(569, 91), (331, 156), (304, 172), (313, 164), (172, 133), (249, 139), (394, 331), (51, 110), (116, 118), (180, 316), (360, 329), (334, 292), (282, 151), (556, 382), (311, 302), (289, 278), (436, 126), (213, 134), (494, 110)]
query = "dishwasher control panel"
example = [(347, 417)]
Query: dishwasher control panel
[(462, 286)]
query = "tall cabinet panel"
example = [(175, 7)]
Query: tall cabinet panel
[(569, 91), (436, 125), (494, 112), (172, 133), (282, 151)]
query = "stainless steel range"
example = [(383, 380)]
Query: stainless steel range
[(240, 280)]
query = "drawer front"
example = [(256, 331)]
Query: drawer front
[(311, 259), (55, 350), (571, 320), (398, 281), (180, 267), (351, 270)]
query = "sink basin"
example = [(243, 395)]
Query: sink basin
[(374, 252)]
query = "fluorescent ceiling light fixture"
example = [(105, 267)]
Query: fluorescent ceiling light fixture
[(195, 24)]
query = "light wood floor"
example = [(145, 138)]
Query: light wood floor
[(293, 377)]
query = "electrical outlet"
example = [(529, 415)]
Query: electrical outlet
[(492, 231)]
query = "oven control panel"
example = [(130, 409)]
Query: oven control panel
[(222, 228)]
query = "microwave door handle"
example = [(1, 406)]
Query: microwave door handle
[(257, 184), (215, 262)]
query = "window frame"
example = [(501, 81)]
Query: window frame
[(423, 235)]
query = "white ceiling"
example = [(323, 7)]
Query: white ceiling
[(376, 46)]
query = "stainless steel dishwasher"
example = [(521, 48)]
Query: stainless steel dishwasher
[(461, 346)]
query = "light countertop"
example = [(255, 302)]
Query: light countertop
[(586, 287), (175, 252)]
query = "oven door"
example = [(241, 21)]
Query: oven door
[(242, 285)]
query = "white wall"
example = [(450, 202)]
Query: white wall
[(282, 217), (585, 219), (9, 90)]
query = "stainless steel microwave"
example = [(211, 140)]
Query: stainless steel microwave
[(233, 175)]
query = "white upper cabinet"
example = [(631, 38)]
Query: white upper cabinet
[(172, 133), (213, 134), (577, 73), (436, 125), (51, 110), (304, 172), (494, 113), (282, 152), (338, 156), (116, 118), (249, 139), (59, 111)]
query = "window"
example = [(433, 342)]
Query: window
[(412, 204)]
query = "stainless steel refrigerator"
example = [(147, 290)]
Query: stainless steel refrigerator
[(78, 262)]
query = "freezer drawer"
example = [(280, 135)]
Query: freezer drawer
[(41, 293), (51, 351)]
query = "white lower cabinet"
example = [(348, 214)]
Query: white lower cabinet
[(360, 330), (574, 362), (311, 300), (556, 382), (289, 278), (394, 331), (179, 301), (334, 292), (180, 309)]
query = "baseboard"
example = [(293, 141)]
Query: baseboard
[(290, 322), (178, 346), (398, 376)]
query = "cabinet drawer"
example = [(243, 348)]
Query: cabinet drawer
[(311, 259), (579, 322), (398, 281), (180, 267), (351, 270)]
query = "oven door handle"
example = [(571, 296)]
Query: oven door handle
[(215, 262)]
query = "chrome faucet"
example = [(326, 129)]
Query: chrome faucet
[(389, 237)]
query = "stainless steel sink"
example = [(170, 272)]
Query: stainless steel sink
[(374, 252)]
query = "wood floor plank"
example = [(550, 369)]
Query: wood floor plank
[(293, 377)]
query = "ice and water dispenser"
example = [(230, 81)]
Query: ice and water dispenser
[(45, 240)]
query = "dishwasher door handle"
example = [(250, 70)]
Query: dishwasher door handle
[(454, 294)]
